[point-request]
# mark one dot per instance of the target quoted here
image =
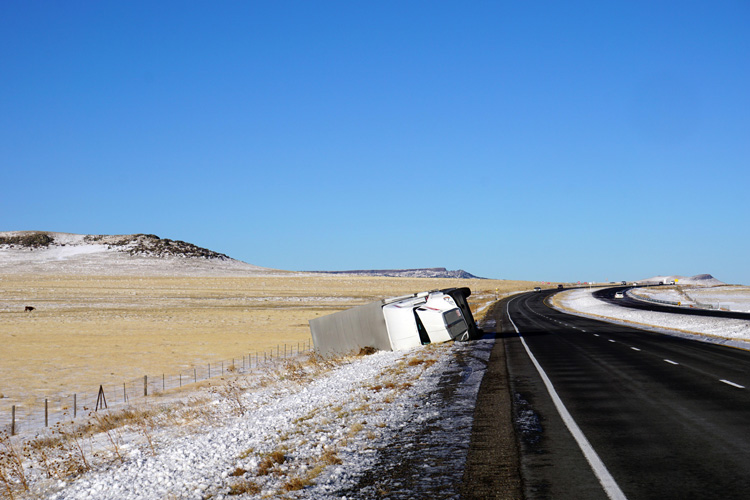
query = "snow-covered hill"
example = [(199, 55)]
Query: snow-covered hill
[(697, 280), (44, 252)]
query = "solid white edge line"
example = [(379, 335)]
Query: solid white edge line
[(729, 382), (609, 484)]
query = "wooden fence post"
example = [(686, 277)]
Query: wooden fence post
[(101, 401), (75, 405), (13, 420), (145, 385), (46, 414)]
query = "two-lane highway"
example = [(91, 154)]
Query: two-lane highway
[(624, 413)]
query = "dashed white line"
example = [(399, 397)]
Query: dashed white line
[(671, 362), (635, 348), (611, 340), (729, 382)]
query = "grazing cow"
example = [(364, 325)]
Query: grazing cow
[(29, 309)]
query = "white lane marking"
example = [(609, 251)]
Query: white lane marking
[(611, 341), (635, 348), (728, 382), (596, 335), (611, 488), (671, 362)]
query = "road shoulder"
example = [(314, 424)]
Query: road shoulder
[(492, 465)]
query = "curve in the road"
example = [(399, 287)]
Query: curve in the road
[(608, 295), (668, 416)]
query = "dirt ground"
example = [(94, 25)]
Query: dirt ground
[(92, 330)]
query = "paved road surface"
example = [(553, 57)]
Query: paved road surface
[(664, 417)]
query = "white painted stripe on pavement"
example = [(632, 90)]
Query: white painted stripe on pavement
[(609, 484), (728, 382), (671, 362), (635, 348)]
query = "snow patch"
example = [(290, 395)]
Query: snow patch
[(698, 280), (325, 433), (581, 301)]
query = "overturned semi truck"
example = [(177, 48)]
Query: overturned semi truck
[(397, 323)]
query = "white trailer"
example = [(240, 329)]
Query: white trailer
[(393, 324)]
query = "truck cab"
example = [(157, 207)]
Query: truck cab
[(442, 318)]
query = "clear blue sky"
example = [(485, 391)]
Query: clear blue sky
[(523, 140)]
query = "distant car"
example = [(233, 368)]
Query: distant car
[(619, 295), (560, 287), (623, 282), (537, 289)]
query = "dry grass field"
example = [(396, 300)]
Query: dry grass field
[(92, 330)]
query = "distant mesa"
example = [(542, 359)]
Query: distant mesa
[(431, 272), (703, 277)]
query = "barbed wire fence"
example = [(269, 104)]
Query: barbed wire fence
[(33, 414)]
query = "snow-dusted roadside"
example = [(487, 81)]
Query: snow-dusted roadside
[(727, 297), (301, 434), (735, 332)]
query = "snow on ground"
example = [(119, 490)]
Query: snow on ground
[(728, 297), (102, 261), (722, 330), (391, 423), (338, 432), (699, 280)]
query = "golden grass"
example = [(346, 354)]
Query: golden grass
[(91, 330)]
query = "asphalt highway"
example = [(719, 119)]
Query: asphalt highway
[(608, 295), (639, 415)]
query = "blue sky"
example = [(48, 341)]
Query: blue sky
[(519, 140)]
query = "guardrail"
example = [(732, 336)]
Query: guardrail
[(642, 298)]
